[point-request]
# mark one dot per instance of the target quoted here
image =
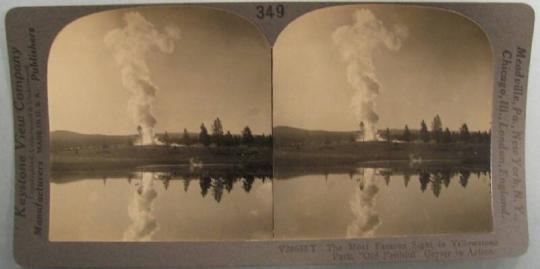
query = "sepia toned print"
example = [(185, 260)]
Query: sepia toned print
[(392, 132), (160, 124), (163, 119), (382, 124)]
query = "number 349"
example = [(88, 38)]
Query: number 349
[(270, 11)]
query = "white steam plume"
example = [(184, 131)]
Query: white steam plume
[(357, 43), (130, 45), (365, 217), (143, 222)]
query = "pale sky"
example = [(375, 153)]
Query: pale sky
[(220, 67), (444, 67)]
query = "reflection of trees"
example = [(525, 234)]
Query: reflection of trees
[(229, 183), (436, 185), (219, 183), (445, 175), (464, 178), (186, 180), (406, 178), (424, 180), (215, 184), (435, 179), (248, 182), (386, 178), (205, 182), (217, 189)]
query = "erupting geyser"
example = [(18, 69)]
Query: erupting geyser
[(357, 43), (130, 45)]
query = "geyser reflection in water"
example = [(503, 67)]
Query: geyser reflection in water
[(144, 224), (365, 217)]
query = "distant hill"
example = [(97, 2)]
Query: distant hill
[(74, 136), (287, 135), (66, 139)]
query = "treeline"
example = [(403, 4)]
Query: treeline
[(216, 136), (436, 134)]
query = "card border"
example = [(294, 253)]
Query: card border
[(507, 25)]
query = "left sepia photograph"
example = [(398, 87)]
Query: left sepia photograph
[(160, 127)]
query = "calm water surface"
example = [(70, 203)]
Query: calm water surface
[(362, 202), (372, 202), (157, 206)]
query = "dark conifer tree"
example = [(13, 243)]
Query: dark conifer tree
[(247, 136), (185, 137), (407, 134), (437, 129), (228, 139), (464, 134), (424, 133), (204, 138), (217, 132), (447, 136)]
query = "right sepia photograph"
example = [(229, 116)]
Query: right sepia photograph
[(381, 124)]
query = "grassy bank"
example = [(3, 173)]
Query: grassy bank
[(128, 157), (380, 154)]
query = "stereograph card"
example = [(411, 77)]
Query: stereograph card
[(268, 133)]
